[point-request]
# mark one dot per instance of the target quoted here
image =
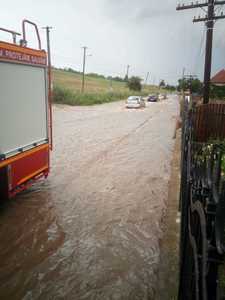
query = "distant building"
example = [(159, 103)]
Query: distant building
[(219, 78)]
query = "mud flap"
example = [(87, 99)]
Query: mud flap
[(4, 195)]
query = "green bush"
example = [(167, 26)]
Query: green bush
[(66, 96), (134, 83), (217, 92)]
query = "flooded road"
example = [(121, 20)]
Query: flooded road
[(92, 229)]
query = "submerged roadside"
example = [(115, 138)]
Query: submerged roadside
[(92, 229), (168, 273)]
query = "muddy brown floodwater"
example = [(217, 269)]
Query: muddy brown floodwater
[(92, 229)]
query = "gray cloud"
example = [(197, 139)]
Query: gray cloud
[(138, 10), (147, 34)]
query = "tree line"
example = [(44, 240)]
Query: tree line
[(135, 83), (196, 87)]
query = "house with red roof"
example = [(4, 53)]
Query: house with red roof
[(218, 85), (219, 78)]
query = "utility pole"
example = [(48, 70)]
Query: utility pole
[(127, 75), (48, 28), (189, 79), (84, 62), (208, 51), (183, 73), (209, 20), (146, 78)]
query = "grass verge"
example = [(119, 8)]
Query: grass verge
[(64, 95)]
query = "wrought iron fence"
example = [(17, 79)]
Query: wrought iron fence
[(202, 201)]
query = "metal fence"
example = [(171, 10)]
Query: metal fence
[(202, 201)]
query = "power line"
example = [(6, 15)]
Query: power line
[(200, 52), (199, 5), (101, 68), (69, 60), (209, 20)]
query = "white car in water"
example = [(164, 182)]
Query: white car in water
[(162, 96), (135, 102)]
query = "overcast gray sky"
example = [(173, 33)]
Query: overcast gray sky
[(149, 35)]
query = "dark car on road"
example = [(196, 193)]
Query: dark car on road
[(152, 98)]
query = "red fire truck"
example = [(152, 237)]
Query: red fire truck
[(25, 113)]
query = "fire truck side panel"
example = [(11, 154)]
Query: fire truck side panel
[(23, 119)]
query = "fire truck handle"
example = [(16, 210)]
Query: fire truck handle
[(24, 32), (13, 33)]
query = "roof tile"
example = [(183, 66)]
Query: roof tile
[(219, 78)]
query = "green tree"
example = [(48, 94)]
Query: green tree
[(134, 83), (217, 92), (170, 87), (162, 83), (193, 84)]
